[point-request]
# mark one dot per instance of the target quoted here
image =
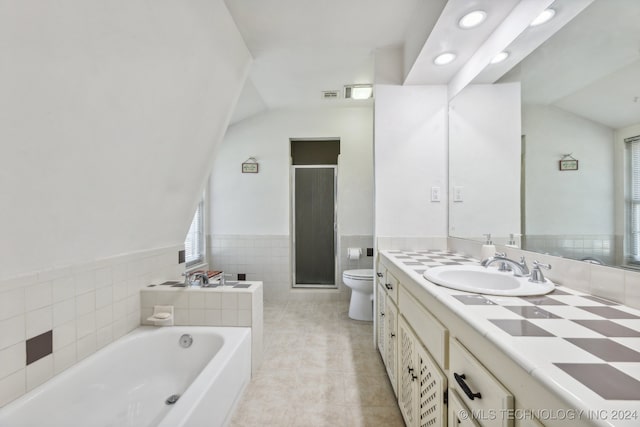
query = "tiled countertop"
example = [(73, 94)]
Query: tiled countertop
[(585, 348), (238, 286)]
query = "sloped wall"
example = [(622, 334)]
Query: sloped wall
[(109, 116)]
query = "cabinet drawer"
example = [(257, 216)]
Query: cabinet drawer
[(391, 284), (483, 394), (388, 282), (427, 327), (529, 422), (459, 414)]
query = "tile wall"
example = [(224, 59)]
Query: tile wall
[(85, 306), (410, 243), (264, 258), (221, 306), (268, 259), (602, 247)]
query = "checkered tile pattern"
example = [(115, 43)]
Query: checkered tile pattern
[(594, 340), (419, 261)]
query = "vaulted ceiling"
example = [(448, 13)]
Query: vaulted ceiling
[(302, 47)]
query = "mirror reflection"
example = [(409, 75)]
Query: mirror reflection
[(563, 187)]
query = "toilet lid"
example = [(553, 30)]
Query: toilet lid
[(363, 274)]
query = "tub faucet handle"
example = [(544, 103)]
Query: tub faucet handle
[(223, 277), (187, 282)]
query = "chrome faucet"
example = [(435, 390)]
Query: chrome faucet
[(520, 269), (201, 278), (223, 276), (187, 280), (195, 279)]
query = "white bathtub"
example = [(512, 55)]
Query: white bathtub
[(126, 383)]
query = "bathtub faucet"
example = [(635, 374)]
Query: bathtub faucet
[(200, 278)]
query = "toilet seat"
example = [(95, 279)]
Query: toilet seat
[(363, 274)]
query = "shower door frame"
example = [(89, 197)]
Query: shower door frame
[(294, 284)]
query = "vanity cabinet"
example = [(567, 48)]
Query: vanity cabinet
[(442, 360), (387, 324), (422, 385)]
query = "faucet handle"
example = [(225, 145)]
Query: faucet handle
[(536, 274), (187, 277), (537, 264)]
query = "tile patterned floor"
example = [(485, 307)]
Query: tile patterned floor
[(319, 369)]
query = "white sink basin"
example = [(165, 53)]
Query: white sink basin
[(482, 280)]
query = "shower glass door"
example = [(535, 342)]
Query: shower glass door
[(314, 224)]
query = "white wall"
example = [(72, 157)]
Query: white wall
[(258, 204), (109, 115), (567, 202), (410, 158), (250, 213), (484, 154)]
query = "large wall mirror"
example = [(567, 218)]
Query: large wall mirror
[(578, 98)]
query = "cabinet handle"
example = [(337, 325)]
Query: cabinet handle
[(381, 314), (388, 286), (393, 335), (379, 274), (410, 370), (460, 379)]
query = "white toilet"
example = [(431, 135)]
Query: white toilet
[(361, 284)]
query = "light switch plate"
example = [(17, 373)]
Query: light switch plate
[(435, 194), (457, 194)]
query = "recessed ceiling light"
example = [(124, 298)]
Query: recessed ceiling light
[(500, 57), (545, 16), (472, 19), (444, 58)]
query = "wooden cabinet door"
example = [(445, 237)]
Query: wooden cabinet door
[(381, 323), (432, 388), (407, 374), (391, 345)]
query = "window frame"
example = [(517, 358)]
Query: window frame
[(197, 257), (632, 201)]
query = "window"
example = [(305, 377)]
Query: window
[(632, 238), (194, 243)]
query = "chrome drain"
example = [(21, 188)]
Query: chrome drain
[(172, 399), (185, 341)]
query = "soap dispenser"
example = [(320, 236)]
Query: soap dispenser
[(488, 249), (512, 240)]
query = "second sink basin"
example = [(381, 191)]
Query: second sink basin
[(482, 280)]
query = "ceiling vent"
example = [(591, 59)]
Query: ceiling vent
[(330, 94)]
